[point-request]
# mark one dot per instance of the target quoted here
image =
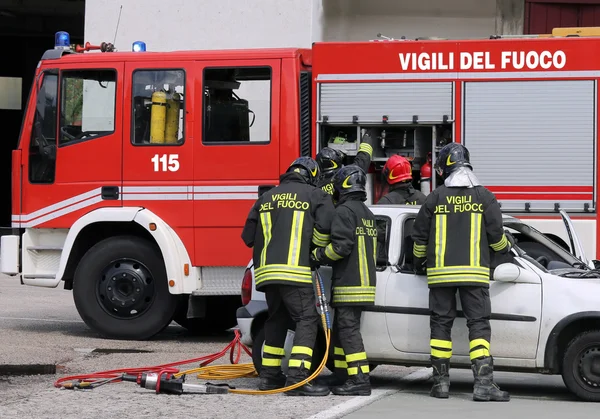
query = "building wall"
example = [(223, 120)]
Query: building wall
[(216, 24)]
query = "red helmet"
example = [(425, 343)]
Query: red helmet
[(397, 169)]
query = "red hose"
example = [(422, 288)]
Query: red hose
[(204, 360)]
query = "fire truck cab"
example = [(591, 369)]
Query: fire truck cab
[(135, 170)]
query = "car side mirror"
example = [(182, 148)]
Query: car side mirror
[(509, 272)]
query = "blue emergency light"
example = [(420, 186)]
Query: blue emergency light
[(62, 40), (138, 46)]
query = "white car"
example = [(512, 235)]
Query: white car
[(545, 308)]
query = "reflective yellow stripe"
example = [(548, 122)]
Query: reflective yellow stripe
[(265, 221), (360, 356), (475, 239), (353, 371), (375, 251), (304, 350), (366, 148), (330, 253), (340, 364), (354, 290), (479, 342), (365, 369), (297, 363), (441, 354), (273, 350), (279, 276), (363, 265), (501, 244), (419, 250), (304, 270), (461, 278), (443, 344), (479, 353), (320, 239), (440, 240), (296, 238), (338, 351), (271, 362), (353, 299), (459, 269)]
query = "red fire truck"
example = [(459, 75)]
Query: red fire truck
[(135, 170)]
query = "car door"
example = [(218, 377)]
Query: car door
[(515, 320)]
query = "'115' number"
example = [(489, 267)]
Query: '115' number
[(166, 162)]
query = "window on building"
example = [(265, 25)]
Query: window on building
[(87, 109), (42, 146), (237, 105), (158, 107)]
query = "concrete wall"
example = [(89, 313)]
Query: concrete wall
[(216, 24)]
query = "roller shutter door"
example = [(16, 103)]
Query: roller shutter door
[(339, 102), (533, 142)]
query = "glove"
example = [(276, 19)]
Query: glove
[(420, 267), (314, 259), (510, 238)]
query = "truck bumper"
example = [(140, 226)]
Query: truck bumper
[(9, 255)]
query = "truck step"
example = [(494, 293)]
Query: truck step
[(41, 276), (42, 248)]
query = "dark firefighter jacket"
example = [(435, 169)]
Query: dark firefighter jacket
[(283, 226), (403, 195), (455, 231), (352, 254), (362, 160)]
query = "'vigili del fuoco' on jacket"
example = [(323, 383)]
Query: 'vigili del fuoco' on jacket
[(465, 214), (298, 209), (352, 252)]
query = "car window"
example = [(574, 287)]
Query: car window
[(383, 240), (406, 251)]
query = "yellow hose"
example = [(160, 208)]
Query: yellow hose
[(231, 372)]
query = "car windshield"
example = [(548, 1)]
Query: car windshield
[(540, 247)]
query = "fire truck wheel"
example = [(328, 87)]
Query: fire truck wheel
[(120, 289)]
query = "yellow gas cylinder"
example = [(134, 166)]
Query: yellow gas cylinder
[(172, 124), (157, 117)]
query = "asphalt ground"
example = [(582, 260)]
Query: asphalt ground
[(41, 328)]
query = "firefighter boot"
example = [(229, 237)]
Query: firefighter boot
[(484, 388), (356, 385), (441, 379), (333, 380), (309, 389), (272, 383)]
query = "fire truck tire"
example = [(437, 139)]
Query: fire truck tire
[(120, 289)]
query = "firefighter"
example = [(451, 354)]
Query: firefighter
[(398, 175), (331, 160), (351, 253), (455, 231), (283, 225)]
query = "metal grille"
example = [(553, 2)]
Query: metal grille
[(305, 104)]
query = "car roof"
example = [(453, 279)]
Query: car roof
[(394, 210)]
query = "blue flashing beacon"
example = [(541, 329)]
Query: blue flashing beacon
[(138, 46), (62, 40)]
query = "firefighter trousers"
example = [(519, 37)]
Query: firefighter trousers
[(477, 309), (289, 305), (349, 354)]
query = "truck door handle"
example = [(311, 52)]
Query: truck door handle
[(110, 192)]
